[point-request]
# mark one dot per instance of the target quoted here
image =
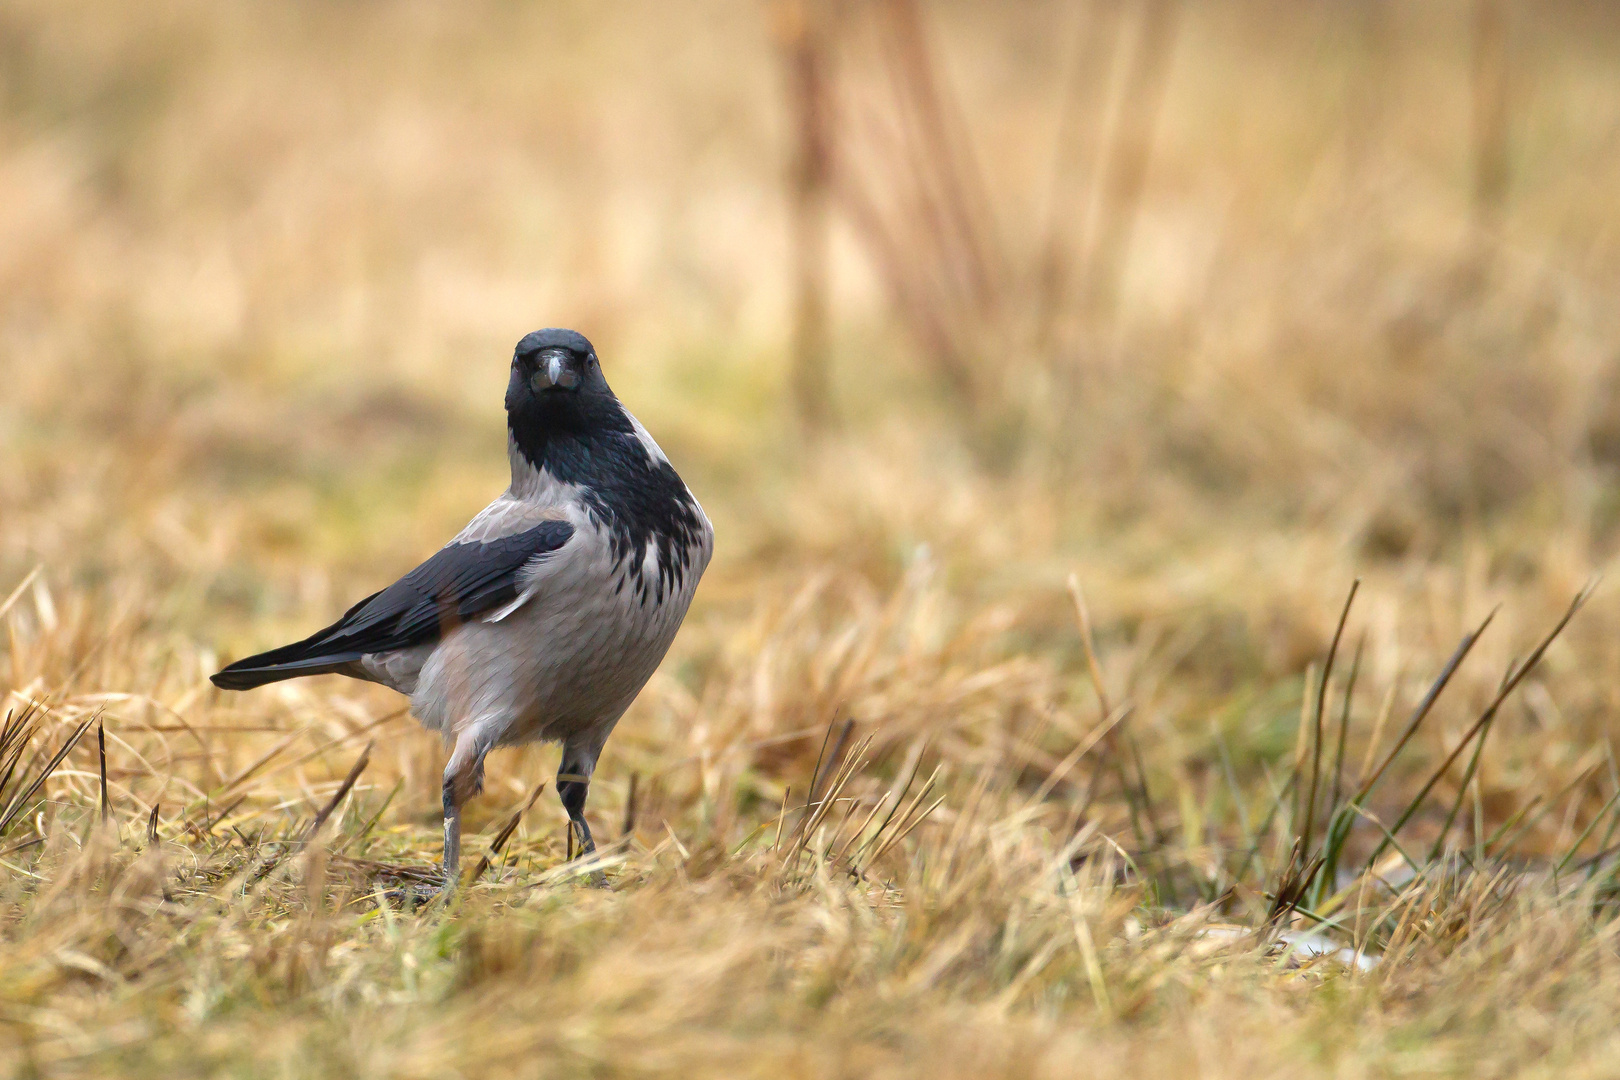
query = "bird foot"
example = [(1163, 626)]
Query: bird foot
[(415, 887), (413, 896)]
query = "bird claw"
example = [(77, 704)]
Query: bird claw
[(416, 893), (412, 898)]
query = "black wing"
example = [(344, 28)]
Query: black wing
[(459, 583)]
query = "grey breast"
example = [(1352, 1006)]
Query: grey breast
[(569, 655)]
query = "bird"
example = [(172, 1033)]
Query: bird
[(543, 619)]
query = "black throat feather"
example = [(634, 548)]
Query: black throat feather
[(588, 440)]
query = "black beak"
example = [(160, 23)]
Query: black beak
[(554, 369)]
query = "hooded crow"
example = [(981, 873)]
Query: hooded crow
[(545, 617)]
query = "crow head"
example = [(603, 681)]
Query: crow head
[(558, 401), (549, 367)]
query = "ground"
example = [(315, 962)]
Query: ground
[(997, 742)]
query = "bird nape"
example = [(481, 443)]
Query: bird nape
[(545, 616)]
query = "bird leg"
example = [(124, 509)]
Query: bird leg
[(572, 789), (573, 784), (463, 778), (451, 863)]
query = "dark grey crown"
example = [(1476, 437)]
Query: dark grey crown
[(554, 338)]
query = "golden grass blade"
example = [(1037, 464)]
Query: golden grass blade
[(495, 846)]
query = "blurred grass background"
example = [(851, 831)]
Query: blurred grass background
[(1219, 305)]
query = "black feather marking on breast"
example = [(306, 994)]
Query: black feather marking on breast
[(460, 582), (590, 442)]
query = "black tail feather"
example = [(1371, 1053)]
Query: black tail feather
[(307, 657), (246, 674)]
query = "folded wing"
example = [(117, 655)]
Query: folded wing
[(459, 583)]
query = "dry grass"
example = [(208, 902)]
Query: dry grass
[(259, 273)]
